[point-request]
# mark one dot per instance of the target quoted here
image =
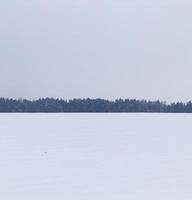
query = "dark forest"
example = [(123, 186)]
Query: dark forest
[(92, 105)]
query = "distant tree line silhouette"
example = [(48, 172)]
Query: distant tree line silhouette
[(49, 105)]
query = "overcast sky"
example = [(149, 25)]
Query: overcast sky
[(104, 48)]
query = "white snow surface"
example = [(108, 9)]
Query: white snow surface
[(95, 156)]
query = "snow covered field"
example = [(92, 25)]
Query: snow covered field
[(95, 157)]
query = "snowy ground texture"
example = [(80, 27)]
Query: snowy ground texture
[(95, 157)]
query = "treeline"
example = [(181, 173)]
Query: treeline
[(92, 105)]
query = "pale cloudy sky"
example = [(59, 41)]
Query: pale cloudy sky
[(104, 48)]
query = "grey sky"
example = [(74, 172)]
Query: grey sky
[(104, 48)]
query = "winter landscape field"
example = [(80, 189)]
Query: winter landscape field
[(95, 156)]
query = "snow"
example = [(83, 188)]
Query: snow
[(95, 156)]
